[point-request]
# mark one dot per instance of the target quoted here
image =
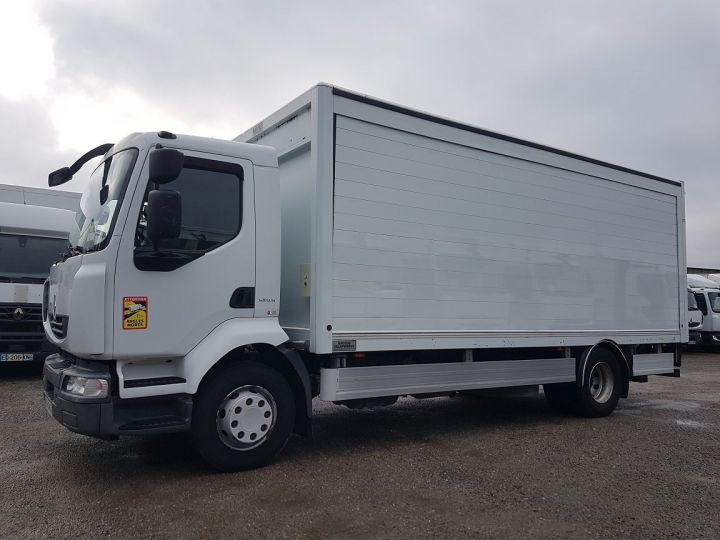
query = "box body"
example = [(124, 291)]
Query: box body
[(402, 230)]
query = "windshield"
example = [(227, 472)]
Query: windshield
[(28, 258), (692, 303), (101, 199), (714, 298)]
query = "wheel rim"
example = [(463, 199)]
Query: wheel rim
[(602, 382), (246, 417)]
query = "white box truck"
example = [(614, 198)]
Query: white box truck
[(34, 228), (354, 250)]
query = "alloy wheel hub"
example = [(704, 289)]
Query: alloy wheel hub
[(602, 382), (246, 417)]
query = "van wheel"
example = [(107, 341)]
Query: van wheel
[(601, 385), (242, 416)]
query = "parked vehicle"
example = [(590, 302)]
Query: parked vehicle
[(30, 196), (32, 238), (707, 296), (354, 250), (694, 319)]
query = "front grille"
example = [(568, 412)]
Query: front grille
[(21, 328), (58, 325), (14, 313), (45, 298)]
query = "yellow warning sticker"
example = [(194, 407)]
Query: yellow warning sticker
[(135, 312)]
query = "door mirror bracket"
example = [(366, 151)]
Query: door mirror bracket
[(164, 215)]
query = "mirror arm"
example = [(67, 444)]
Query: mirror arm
[(95, 152), (69, 172)]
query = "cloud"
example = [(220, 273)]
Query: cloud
[(28, 145), (630, 83), (25, 52)]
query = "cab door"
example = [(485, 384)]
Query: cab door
[(161, 313)]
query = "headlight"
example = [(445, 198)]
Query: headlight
[(81, 386)]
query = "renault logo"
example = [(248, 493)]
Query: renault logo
[(18, 314)]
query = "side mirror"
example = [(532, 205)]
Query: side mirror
[(59, 177), (165, 165), (164, 215)]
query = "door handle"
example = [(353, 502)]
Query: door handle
[(243, 298)]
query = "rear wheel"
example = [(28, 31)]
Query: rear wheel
[(600, 390), (601, 386), (242, 417)]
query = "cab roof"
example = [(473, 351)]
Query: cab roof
[(31, 220), (699, 282), (263, 156)]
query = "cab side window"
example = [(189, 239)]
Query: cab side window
[(211, 194)]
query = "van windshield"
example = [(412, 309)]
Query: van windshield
[(714, 298), (692, 303), (101, 200), (27, 259)]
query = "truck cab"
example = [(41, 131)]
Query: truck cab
[(32, 238), (707, 298), (175, 265)]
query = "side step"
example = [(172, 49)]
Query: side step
[(364, 382), (169, 423)]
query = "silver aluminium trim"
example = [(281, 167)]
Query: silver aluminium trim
[(337, 384), (380, 334), (653, 364)]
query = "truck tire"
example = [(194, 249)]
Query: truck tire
[(601, 386), (242, 416)]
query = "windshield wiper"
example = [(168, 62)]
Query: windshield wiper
[(31, 278), (70, 252)]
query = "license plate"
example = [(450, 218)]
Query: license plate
[(48, 405), (16, 357)]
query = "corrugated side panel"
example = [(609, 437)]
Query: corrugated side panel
[(434, 236)]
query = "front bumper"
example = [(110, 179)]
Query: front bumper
[(109, 417), (708, 340), (39, 348)]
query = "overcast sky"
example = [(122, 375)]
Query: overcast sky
[(635, 83)]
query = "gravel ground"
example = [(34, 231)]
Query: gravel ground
[(437, 467)]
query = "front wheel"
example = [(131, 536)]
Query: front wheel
[(242, 416)]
